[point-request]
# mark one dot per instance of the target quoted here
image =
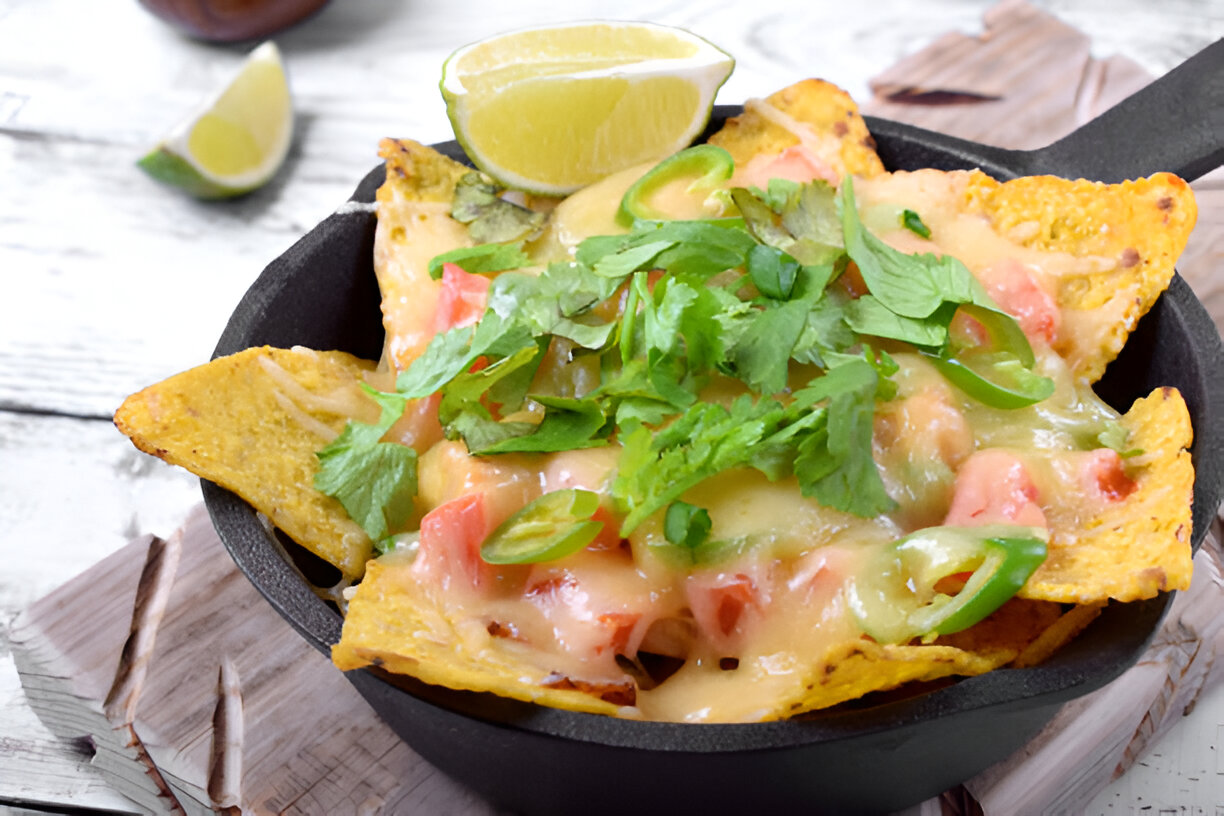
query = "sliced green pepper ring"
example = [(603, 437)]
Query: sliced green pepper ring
[(898, 600), (706, 165), (553, 526), (998, 380), (999, 372)]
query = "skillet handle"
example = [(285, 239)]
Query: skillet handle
[(1175, 124)]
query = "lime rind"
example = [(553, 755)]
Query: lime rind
[(172, 162)]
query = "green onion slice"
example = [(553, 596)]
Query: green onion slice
[(897, 599), (553, 526)]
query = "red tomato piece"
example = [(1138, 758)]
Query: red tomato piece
[(1103, 477), (994, 487), (1017, 291), (462, 299), (722, 604), (583, 617), (795, 163), (449, 550)]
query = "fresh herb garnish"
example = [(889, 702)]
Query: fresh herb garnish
[(375, 481), (481, 259), (686, 526), (664, 311), (912, 221), (489, 217)]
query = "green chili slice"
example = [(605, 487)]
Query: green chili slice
[(708, 166), (553, 526), (897, 600), (999, 372)]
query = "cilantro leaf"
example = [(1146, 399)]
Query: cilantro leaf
[(835, 466), (455, 350), (772, 271), (763, 354), (704, 440), (568, 424), (627, 261), (490, 218), (481, 259), (866, 315), (686, 526), (913, 222), (908, 285), (375, 481)]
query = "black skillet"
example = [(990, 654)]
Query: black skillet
[(877, 754)]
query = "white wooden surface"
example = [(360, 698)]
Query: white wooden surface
[(110, 282)]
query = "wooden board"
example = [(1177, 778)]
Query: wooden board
[(137, 653)]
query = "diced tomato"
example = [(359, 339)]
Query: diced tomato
[(994, 487), (620, 626), (723, 604), (462, 299), (609, 537), (1017, 291), (449, 551), (796, 163), (1103, 477), (819, 575), (583, 619), (851, 280)]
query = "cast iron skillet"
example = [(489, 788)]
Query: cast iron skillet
[(877, 754)]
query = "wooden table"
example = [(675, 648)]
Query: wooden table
[(112, 282)]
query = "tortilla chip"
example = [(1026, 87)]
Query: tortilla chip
[(1013, 627), (839, 135), (390, 624), (417, 173), (1135, 230), (1068, 625), (851, 670), (251, 422), (1139, 546), (414, 225)]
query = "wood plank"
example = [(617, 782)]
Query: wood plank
[(310, 744)]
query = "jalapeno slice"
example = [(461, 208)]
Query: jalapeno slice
[(707, 165), (999, 372), (897, 600), (553, 526)]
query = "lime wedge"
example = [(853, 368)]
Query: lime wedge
[(237, 139), (555, 108)]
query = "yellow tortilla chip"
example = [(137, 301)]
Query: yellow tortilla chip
[(414, 225), (417, 173), (390, 624), (836, 131), (863, 666), (851, 670), (1139, 546), (1068, 625), (1134, 230), (251, 422), (1012, 627)]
